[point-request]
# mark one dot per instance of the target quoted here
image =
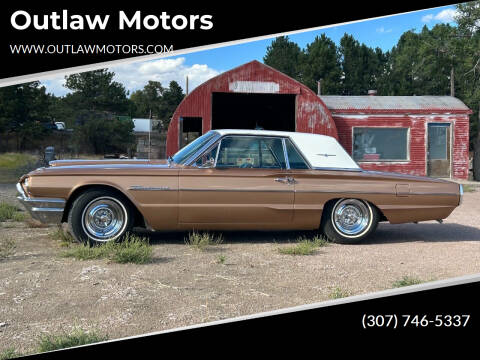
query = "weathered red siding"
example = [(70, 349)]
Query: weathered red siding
[(312, 116), (417, 163), (337, 115)]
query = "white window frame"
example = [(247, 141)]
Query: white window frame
[(383, 160)]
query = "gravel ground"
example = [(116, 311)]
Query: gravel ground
[(41, 292)]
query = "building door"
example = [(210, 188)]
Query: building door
[(438, 151), (189, 128)]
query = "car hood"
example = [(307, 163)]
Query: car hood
[(105, 162), (108, 167)]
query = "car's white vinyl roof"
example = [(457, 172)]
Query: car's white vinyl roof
[(320, 150)]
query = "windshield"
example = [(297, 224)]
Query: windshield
[(183, 154)]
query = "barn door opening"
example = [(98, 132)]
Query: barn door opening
[(438, 152), (253, 111), (189, 128)]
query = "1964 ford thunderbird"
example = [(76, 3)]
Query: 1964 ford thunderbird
[(234, 180)]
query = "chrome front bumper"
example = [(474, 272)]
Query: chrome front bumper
[(45, 210)]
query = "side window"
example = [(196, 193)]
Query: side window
[(294, 158), (241, 152), (251, 152), (272, 153), (207, 159)]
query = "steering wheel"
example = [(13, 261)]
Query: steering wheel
[(246, 165)]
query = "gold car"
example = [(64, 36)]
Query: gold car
[(234, 180)]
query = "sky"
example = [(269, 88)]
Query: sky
[(203, 65)]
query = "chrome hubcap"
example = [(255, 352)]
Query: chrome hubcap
[(351, 217), (104, 219)]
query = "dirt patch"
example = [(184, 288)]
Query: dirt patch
[(41, 292)]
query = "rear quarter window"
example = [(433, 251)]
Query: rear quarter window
[(294, 158)]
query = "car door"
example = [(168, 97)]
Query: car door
[(240, 182)]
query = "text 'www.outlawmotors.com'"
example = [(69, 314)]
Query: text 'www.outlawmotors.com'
[(82, 49)]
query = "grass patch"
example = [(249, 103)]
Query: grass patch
[(407, 281), (304, 246), (15, 160), (7, 247), (10, 212), (202, 240), (133, 249), (221, 259), (339, 293), (9, 353), (13, 165), (469, 188), (76, 338), (65, 238)]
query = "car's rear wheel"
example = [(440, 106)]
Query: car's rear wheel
[(349, 221), (99, 216)]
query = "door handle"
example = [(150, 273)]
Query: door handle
[(286, 180)]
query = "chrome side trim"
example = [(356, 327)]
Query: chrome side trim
[(45, 210), (435, 194), (346, 192), (337, 169), (371, 192), (237, 190), (148, 188)]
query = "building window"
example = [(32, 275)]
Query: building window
[(380, 144)]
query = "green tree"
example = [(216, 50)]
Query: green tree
[(24, 111), (97, 100), (148, 100), (171, 98), (468, 17), (361, 65), (96, 91), (468, 20), (156, 101), (322, 61), (285, 56), (103, 133), (425, 63)]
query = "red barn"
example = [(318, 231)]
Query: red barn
[(249, 96), (419, 135)]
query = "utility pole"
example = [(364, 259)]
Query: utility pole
[(452, 82), (319, 87), (149, 131), (187, 86)]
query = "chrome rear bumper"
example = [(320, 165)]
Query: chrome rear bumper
[(45, 210)]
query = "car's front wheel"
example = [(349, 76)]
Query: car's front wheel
[(98, 216), (349, 221)]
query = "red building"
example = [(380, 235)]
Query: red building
[(249, 96), (419, 135)]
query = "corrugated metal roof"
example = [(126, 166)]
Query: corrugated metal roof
[(391, 104)]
